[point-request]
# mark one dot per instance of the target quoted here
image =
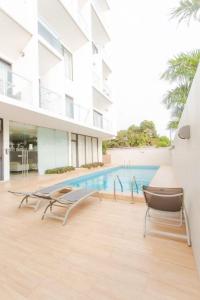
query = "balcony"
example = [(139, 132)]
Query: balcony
[(66, 25), (55, 103), (106, 89), (51, 101), (14, 37), (50, 48), (100, 33), (76, 112), (101, 93), (16, 87), (100, 122), (50, 37)]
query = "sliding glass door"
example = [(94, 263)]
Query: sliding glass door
[(23, 148), (84, 150)]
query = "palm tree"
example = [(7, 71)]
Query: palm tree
[(182, 67), (187, 10), (173, 124), (181, 70)]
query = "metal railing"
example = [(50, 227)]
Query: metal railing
[(134, 183), (15, 86), (49, 36), (116, 178)]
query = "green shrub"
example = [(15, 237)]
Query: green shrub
[(60, 170), (163, 141), (92, 165)]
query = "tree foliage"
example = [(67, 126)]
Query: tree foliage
[(137, 136), (181, 68), (187, 10), (180, 71)]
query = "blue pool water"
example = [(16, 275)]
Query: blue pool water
[(103, 180)]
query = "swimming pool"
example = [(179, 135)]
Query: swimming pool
[(104, 180)]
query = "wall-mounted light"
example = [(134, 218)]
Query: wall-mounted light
[(184, 132)]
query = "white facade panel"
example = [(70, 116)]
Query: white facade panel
[(52, 149)]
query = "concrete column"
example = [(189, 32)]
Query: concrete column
[(69, 149)]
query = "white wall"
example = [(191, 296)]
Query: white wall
[(186, 163), (140, 156), (52, 149)]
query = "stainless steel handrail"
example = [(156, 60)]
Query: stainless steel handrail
[(121, 185), (134, 182)]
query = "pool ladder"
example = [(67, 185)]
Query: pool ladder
[(133, 183)]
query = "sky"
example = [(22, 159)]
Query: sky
[(143, 40)]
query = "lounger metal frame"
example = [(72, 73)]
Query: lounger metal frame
[(69, 206), (36, 195), (183, 218)]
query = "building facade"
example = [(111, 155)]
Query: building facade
[(55, 98)]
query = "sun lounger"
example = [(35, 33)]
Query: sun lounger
[(44, 193), (166, 200), (69, 201)]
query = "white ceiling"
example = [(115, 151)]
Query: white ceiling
[(14, 37)]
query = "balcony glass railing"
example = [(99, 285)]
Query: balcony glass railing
[(55, 103), (106, 89), (51, 101), (50, 37), (100, 122), (76, 112), (15, 86), (101, 85)]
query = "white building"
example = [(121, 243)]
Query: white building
[(55, 100)]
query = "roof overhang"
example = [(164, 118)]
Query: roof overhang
[(14, 37), (48, 57), (58, 16), (99, 33)]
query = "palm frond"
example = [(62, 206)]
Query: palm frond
[(182, 67), (176, 96), (173, 124), (187, 10)]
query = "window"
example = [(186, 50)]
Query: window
[(68, 61), (5, 78), (97, 119), (69, 106)]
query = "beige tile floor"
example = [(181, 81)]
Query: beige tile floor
[(99, 254)]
